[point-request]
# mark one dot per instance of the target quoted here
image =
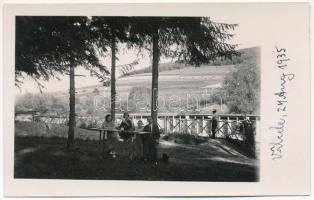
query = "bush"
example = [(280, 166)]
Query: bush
[(241, 88), (82, 125), (139, 99)]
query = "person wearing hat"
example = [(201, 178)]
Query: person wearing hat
[(214, 123)]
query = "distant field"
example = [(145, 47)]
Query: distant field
[(179, 83), (185, 85), (175, 79)]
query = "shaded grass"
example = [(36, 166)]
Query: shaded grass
[(46, 158), (40, 129)]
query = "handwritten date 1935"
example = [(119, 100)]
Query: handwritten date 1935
[(282, 64), (278, 131)]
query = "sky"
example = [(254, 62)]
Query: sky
[(246, 35)]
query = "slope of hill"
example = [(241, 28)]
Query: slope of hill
[(182, 88), (167, 69), (246, 53)]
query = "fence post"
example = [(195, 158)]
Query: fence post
[(185, 127), (228, 126), (165, 124), (173, 123), (209, 126), (179, 124), (225, 128), (168, 125), (194, 126), (202, 124)]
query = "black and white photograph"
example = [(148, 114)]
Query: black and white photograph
[(213, 95), (148, 98)]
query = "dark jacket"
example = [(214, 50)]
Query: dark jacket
[(155, 133), (214, 121), (127, 125), (128, 128)]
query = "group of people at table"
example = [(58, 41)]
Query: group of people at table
[(145, 143)]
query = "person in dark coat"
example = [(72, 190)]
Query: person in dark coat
[(126, 126), (150, 141), (249, 141), (214, 123), (127, 134)]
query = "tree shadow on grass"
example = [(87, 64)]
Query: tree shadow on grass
[(49, 160)]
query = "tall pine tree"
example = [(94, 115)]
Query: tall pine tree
[(51, 46)]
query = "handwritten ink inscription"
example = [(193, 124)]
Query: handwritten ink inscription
[(278, 130)]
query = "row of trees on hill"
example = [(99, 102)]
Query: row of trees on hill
[(40, 102), (241, 89), (49, 46)]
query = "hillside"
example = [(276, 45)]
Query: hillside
[(168, 69), (246, 53), (182, 88)]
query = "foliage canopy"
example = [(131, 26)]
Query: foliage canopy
[(46, 46)]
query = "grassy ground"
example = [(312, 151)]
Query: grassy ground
[(40, 129), (40, 157)]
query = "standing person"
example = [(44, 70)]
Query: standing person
[(127, 135), (140, 125), (109, 123), (137, 141), (249, 137), (214, 123), (126, 126), (150, 141)]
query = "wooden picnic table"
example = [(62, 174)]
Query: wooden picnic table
[(104, 132)]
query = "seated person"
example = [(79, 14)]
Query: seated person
[(108, 123)]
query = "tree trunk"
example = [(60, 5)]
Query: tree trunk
[(113, 78), (70, 141), (154, 102)]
